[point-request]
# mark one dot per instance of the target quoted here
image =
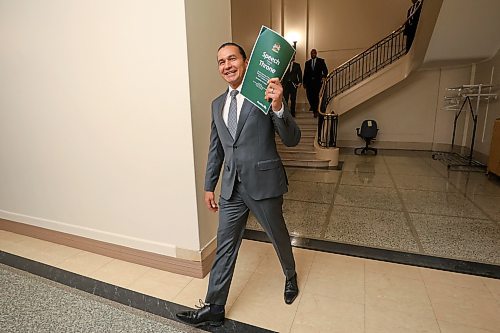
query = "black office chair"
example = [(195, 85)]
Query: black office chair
[(367, 132)]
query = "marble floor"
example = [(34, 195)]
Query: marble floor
[(338, 293), (397, 200)]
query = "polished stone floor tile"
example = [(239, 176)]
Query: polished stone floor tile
[(366, 179), (251, 253), (270, 266), (413, 169), (493, 286), (370, 227), (458, 238), (373, 267), (317, 313), (454, 279), (476, 183), (424, 183), (489, 204), (160, 284), (311, 192), (406, 160), (441, 168), (405, 153), (440, 203), (447, 327), (39, 250), (84, 263), (10, 237), (464, 306), (389, 291), (369, 197), (119, 273), (342, 280), (261, 303), (400, 318), (362, 158), (304, 219), (313, 175), (365, 166)]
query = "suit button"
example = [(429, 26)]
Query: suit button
[(235, 147)]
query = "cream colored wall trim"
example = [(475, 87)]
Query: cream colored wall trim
[(194, 268), (375, 84), (197, 255), (107, 236)]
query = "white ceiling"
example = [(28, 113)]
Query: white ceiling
[(466, 31)]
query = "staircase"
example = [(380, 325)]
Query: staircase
[(304, 154), (367, 74)]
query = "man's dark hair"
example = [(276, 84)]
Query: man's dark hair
[(242, 52)]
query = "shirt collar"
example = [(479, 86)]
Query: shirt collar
[(238, 88)]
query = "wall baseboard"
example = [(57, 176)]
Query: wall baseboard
[(193, 268)]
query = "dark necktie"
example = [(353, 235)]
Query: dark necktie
[(313, 63), (232, 121)]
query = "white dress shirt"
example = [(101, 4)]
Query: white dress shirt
[(239, 104)]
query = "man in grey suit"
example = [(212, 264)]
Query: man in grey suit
[(242, 144)]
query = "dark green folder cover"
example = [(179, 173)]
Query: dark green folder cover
[(270, 58)]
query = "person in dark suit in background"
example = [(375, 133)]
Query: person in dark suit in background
[(411, 23), (242, 144), (291, 81), (314, 72)]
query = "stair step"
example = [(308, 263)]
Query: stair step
[(306, 163), (298, 154), (300, 148), (308, 131)]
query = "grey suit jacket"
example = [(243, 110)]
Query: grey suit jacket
[(252, 154)]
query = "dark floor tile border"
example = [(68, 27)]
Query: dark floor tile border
[(117, 294), (445, 264)]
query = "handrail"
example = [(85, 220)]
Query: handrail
[(358, 68), (363, 65)]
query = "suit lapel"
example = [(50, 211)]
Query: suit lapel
[(245, 111), (219, 108)]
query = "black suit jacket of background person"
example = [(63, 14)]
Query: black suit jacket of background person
[(313, 79), (313, 76), (291, 79), (412, 22)]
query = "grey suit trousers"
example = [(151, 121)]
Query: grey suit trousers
[(233, 217)]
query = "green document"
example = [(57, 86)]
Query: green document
[(270, 58)]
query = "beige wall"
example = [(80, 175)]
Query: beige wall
[(410, 114), (204, 36), (487, 72), (96, 121), (248, 17), (338, 29), (341, 29)]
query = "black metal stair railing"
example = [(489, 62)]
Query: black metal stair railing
[(383, 53)]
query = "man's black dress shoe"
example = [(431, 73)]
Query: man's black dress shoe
[(202, 316), (291, 289)]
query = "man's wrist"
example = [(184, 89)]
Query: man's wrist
[(280, 112)]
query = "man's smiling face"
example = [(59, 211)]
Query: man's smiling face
[(232, 66)]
